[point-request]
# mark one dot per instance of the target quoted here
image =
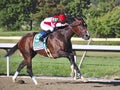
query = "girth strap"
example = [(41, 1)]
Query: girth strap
[(47, 51)]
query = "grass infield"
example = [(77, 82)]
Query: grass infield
[(96, 64)]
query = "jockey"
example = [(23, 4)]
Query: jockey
[(49, 24)]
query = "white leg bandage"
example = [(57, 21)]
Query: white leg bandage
[(15, 76), (34, 80)]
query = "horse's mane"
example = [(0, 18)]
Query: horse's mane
[(71, 18)]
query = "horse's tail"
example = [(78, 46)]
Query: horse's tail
[(12, 50)]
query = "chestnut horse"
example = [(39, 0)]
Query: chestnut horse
[(59, 45)]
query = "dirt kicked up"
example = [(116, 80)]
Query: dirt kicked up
[(56, 84)]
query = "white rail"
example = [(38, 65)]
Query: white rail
[(72, 39), (96, 39), (96, 48)]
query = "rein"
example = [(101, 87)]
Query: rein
[(76, 24)]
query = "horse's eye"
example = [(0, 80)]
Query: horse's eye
[(85, 24)]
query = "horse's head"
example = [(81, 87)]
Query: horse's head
[(79, 27)]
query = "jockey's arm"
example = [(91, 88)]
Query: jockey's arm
[(61, 25)]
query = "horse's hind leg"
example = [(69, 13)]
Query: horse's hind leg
[(29, 70), (28, 58), (21, 66), (27, 61)]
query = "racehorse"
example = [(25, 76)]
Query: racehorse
[(59, 45)]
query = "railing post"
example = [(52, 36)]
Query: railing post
[(8, 64)]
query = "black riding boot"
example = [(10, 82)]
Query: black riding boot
[(43, 36)]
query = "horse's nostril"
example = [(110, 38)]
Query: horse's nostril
[(86, 37)]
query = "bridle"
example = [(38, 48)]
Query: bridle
[(76, 23)]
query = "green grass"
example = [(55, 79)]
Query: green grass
[(96, 64), (15, 33), (101, 64), (41, 65)]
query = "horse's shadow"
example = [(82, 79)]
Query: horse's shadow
[(107, 83), (115, 83)]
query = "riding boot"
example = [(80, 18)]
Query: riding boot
[(43, 36)]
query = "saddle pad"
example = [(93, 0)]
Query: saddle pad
[(37, 44)]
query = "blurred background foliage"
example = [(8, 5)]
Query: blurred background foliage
[(102, 16)]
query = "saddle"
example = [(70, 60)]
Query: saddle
[(38, 44)]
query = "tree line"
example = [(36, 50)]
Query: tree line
[(101, 16)]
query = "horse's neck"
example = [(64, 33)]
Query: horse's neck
[(63, 33), (68, 33)]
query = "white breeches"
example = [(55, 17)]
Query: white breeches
[(46, 27)]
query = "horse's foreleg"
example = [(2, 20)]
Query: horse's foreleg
[(21, 66), (72, 74), (75, 68), (73, 71), (71, 58)]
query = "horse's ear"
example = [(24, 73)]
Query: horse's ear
[(80, 16), (68, 15), (69, 18)]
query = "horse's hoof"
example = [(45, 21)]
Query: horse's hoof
[(13, 79), (84, 79), (75, 78), (72, 75)]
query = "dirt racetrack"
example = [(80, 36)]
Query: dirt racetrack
[(57, 84)]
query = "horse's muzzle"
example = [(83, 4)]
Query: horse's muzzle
[(86, 37)]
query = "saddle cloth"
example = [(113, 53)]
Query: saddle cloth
[(37, 44)]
